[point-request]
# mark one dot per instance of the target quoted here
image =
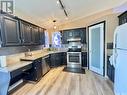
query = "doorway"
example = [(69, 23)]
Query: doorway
[(97, 47)]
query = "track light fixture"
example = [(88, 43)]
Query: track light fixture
[(63, 7)]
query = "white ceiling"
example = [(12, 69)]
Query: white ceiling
[(43, 12)]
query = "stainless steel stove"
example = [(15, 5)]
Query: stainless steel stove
[(74, 54)]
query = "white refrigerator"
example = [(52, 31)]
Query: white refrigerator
[(120, 60)]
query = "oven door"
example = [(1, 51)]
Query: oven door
[(74, 59)]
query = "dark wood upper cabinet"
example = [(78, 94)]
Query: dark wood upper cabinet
[(64, 37), (123, 18), (83, 35), (77, 34), (35, 34), (26, 34), (15, 31), (42, 36), (10, 31), (70, 34), (74, 33)]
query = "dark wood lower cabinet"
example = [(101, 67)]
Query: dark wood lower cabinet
[(84, 59), (64, 58), (35, 73), (58, 59), (18, 74), (39, 67), (110, 70)]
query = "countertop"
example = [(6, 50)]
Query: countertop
[(39, 55), (13, 67), (28, 61)]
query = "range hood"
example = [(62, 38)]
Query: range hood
[(74, 39)]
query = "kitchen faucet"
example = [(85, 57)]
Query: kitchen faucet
[(28, 53)]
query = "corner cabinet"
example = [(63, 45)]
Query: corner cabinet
[(10, 34)]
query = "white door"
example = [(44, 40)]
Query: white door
[(96, 48)]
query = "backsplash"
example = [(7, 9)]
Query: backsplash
[(19, 49), (109, 49), (14, 58)]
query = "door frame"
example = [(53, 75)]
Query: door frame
[(102, 22)]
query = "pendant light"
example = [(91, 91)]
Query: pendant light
[(55, 27)]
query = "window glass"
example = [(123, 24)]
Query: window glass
[(46, 39), (56, 39)]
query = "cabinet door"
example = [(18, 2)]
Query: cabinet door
[(64, 37), (26, 33), (69, 34), (52, 58), (38, 69), (42, 36), (35, 35), (113, 73), (84, 59), (64, 58), (76, 33), (35, 73), (83, 35), (109, 68), (10, 34), (56, 60)]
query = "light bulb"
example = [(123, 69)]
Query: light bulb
[(54, 27), (57, 2), (66, 18)]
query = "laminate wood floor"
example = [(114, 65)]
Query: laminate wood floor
[(58, 82)]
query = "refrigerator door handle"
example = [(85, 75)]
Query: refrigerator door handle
[(116, 55)]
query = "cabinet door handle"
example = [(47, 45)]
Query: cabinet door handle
[(23, 40), (19, 40), (1, 42), (24, 70)]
